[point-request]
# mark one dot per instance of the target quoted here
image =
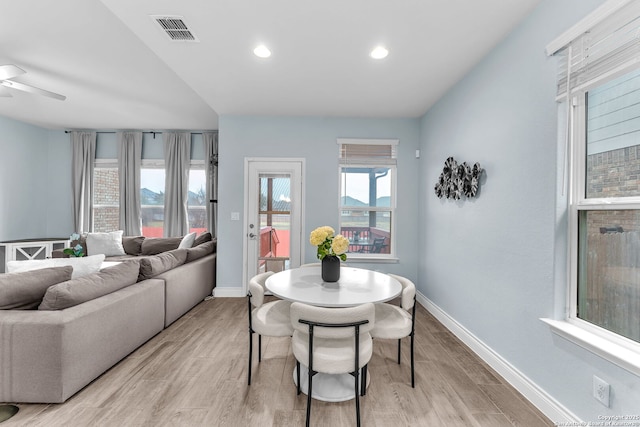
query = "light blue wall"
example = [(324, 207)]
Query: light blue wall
[(152, 146), (496, 263), (35, 190), (314, 139)]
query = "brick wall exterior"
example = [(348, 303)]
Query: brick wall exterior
[(613, 174), (106, 192)]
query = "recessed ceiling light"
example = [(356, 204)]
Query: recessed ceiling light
[(379, 52), (262, 51)]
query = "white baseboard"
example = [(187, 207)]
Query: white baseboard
[(228, 292), (543, 401)]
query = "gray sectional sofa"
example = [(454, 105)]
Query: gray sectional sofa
[(49, 354)]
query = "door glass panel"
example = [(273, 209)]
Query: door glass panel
[(274, 243)]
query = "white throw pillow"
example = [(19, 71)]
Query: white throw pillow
[(109, 244), (81, 265), (187, 241)]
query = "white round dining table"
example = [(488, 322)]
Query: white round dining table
[(356, 286)]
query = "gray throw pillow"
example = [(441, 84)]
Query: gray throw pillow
[(157, 245), (200, 251), (24, 291), (73, 292), (153, 265), (202, 238), (132, 244)]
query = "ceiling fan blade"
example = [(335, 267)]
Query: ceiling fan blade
[(10, 71), (32, 89)]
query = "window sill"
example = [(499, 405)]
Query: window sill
[(618, 354), (373, 259)]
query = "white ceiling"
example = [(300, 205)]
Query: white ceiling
[(120, 71)]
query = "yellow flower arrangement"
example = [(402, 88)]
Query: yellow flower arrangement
[(328, 243)]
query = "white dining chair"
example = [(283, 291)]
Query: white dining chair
[(270, 319), (327, 340), (393, 322)]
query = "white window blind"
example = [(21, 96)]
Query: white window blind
[(364, 152), (607, 48)]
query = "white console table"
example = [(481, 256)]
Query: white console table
[(28, 249)]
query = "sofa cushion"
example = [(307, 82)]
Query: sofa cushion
[(132, 244), (83, 289), (187, 241), (202, 238), (81, 265), (109, 244), (151, 266), (157, 245), (200, 251), (25, 290)]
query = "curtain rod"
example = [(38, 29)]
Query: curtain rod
[(144, 131)]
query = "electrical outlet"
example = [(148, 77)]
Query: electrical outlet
[(601, 390)]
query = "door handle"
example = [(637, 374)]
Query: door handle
[(252, 236)]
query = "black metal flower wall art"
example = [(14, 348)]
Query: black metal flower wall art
[(457, 180)]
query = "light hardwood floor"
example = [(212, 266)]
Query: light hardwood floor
[(195, 374)]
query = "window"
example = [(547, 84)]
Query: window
[(367, 196), (197, 201), (106, 203), (600, 80), (152, 197), (106, 195), (152, 177), (608, 207)]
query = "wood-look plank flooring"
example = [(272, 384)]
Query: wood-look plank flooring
[(194, 373)]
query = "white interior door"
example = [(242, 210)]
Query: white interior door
[(273, 215)]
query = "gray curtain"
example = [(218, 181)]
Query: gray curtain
[(177, 155), (129, 159), (83, 153), (210, 141)]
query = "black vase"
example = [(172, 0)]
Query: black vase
[(330, 268)]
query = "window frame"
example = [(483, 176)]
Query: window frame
[(616, 348), (392, 208)]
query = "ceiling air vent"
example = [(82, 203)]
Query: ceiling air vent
[(175, 28)]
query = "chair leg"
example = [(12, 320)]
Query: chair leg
[(399, 349), (250, 353), (413, 378), (260, 348), (363, 381), (309, 391), (298, 375), (357, 399)]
